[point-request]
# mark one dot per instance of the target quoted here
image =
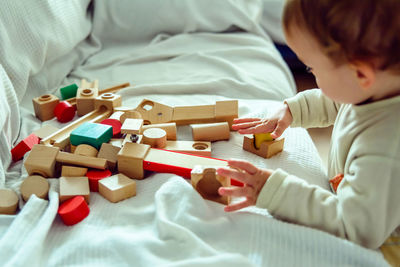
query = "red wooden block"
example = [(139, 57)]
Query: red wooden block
[(73, 210), (95, 176), (64, 111), (115, 124), (24, 146), (335, 181)]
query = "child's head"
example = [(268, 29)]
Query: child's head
[(348, 33)]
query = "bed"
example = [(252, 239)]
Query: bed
[(172, 52)]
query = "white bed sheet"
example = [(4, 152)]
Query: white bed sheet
[(168, 223)]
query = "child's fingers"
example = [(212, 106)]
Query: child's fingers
[(245, 125), (242, 120), (240, 191), (246, 130), (235, 174), (280, 128), (238, 206), (243, 165)]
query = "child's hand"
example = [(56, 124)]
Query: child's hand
[(253, 178), (275, 125)]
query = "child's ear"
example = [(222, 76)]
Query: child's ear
[(365, 74)]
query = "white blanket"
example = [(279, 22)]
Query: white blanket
[(168, 223)]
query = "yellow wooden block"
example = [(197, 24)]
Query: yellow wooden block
[(261, 137)]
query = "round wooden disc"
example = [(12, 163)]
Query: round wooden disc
[(35, 184), (155, 137), (8, 201)]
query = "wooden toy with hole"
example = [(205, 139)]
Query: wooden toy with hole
[(153, 112), (206, 181), (263, 145), (134, 159)]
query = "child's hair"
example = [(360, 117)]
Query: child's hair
[(350, 30)]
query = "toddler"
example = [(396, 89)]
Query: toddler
[(353, 50)]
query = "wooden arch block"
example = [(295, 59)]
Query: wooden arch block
[(206, 181)]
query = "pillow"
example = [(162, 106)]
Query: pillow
[(141, 21), (271, 20), (37, 40)]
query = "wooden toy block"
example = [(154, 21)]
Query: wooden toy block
[(117, 187), (155, 137), (44, 106), (68, 91), (73, 171), (61, 137), (200, 148), (8, 201), (45, 131), (73, 210), (85, 97), (90, 133), (117, 115), (133, 138), (131, 114), (132, 126), (126, 109), (130, 159), (115, 124), (113, 89), (170, 128), (42, 160), (267, 148), (184, 115), (24, 146), (74, 186), (34, 185), (335, 181), (95, 176), (64, 111), (211, 131), (86, 150), (206, 181), (226, 110), (108, 100), (260, 138), (109, 152), (85, 161), (153, 112)]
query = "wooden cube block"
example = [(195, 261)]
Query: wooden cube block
[(117, 187), (44, 106), (85, 97), (74, 186), (132, 126), (207, 182), (35, 185), (42, 160), (130, 159), (267, 148), (8, 201), (90, 133), (108, 100), (73, 171), (226, 110), (109, 152)]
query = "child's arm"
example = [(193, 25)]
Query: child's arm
[(365, 209), (311, 108)]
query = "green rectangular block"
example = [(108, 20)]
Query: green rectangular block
[(69, 91), (94, 134)]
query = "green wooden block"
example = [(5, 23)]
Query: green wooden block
[(69, 91), (94, 134)]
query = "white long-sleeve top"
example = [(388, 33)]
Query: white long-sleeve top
[(365, 147)]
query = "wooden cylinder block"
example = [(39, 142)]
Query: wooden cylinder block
[(35, 185), (86, 150), (73, 210), (155, 137), (210, 131), (8, 201), (169, 128)]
